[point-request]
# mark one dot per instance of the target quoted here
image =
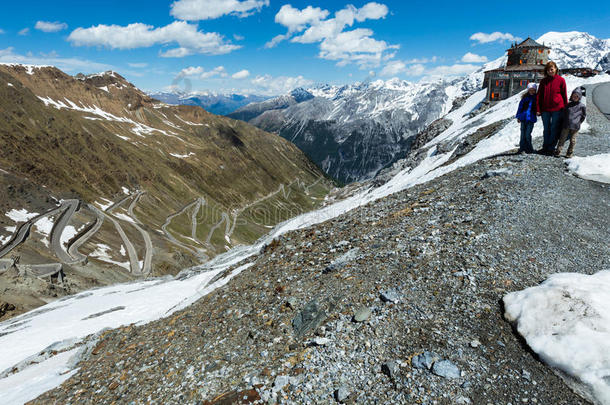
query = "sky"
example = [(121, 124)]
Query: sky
[(269, 47)]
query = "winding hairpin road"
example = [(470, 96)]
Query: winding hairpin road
[(146, 264), (23, 231), (171, 237), (131, 251), (86, 234), (69, 208)]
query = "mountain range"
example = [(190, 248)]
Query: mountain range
[(215, 103), (354, 131)]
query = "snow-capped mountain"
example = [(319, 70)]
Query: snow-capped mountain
[(353, 131), (578, 49), (215, 103), (254, 109)]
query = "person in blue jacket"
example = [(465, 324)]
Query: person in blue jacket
[(526, 115)]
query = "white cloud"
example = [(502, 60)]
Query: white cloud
[(297, 20), (470, 57), (47, 26), (66, 64), (191, 71), (484, 38), (194, 10), (198, 71), (455, 70), (238, 37), (269, 85), (355, 46), (217, 71), (397, 67), (24, 31), (422, 60), (1, 31), (187, 36), (138, 65), (242, 74)]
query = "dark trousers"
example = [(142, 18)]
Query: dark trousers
[(525, 143), (552, 129)]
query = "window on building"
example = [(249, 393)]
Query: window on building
[(523, 83), (495, 96), (499, 83)]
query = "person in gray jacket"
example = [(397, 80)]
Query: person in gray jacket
[(574, 115)]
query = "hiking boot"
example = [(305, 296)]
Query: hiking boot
[(568, 155), (557, 152)]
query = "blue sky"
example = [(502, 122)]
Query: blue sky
[(229, 45)]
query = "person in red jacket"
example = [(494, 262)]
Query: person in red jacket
[(551, 100)]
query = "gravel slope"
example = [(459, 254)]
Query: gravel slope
[(445, 252)]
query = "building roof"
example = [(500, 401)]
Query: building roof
[(529, 43), (518, 68)]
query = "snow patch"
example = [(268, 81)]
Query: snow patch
[(21, 215), (124, 217), (44, 226), (68, 233), (181, 156), (596, 167), (101, 252), (125, 190), (566, 321), (34, 381), (10, 85), (104, 204)]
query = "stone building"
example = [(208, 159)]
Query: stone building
[(525, 64)]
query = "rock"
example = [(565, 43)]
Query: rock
[(342, 393), (390, 296), (292, 303), (6, 307), (362, 314), (308, 319), (498, 172), (342, 260), (280, 382), (446, 369), (390, 369), (424, 360), (320, 341), (475, 343)]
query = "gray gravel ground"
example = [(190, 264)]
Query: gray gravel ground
[(396, 302)]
